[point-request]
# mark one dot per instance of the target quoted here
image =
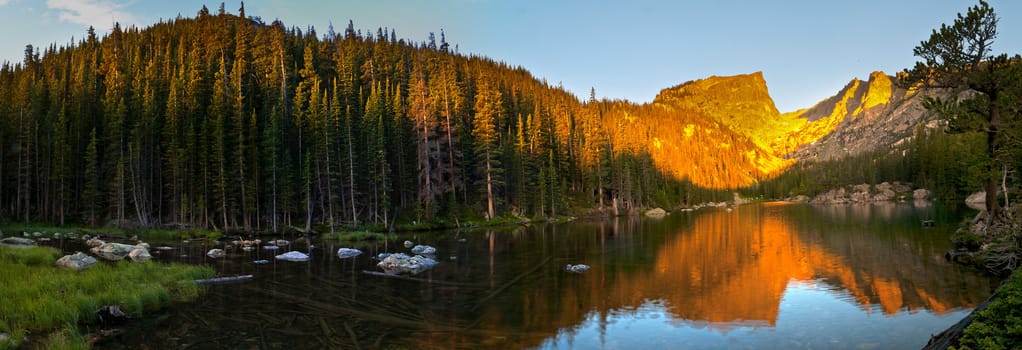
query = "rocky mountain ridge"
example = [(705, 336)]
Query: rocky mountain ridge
[(861, 117)]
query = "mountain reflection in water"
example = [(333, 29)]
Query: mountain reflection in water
[(761, 276)]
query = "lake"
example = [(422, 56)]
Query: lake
[(760, 276)]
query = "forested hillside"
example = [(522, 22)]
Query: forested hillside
[(225, 121)]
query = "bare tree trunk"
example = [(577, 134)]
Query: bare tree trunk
[(450, 143), (1004, 184), (489, 188), (351, 175), (329, 178), (241, 173)]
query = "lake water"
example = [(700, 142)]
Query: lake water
[(762, 276)]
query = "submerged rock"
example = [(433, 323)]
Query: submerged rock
[(580, 268), (17, 241), (261, 262), (345, 253), (293, 256), (424, 250), (113, 251), (401, 263), (216, 253), (270, 247), (76, 261)]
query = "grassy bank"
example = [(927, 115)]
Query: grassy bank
[(44, 304), (999, 326)]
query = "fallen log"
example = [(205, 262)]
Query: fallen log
[(416, 279), (223, 280), (950, 336)]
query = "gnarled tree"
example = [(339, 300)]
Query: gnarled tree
[(960, 58)]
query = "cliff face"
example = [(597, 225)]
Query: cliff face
[(719, 132)]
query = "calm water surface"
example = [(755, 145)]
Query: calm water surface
[(761, 276)]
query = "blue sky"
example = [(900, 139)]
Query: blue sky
[(806, 49)]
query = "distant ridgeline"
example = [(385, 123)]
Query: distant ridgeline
[(225, 121)]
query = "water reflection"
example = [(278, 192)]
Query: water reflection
[(761, 276), (731, 270)]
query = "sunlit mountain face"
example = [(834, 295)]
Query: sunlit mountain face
[(726, 132)]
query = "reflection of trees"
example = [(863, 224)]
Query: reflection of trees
[(726, 269)]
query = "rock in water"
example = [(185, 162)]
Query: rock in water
[(261, 262), (401, 263), (113, 251), (216, 253), (424, 250), (409, 244), (140, 254), (293, 256), (17, 241), (76, 261), (345, 253), (580, 268)]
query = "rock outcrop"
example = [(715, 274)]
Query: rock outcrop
[(76, 261)]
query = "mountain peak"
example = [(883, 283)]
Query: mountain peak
[(742, 103)]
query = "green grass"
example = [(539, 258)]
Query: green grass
[(41, 299), (999, 326)]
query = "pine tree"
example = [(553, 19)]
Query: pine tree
[(488, 102)]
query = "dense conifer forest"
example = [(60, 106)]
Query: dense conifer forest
[(224, 121)]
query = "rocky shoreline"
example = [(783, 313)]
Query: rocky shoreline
[(865, 193)]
